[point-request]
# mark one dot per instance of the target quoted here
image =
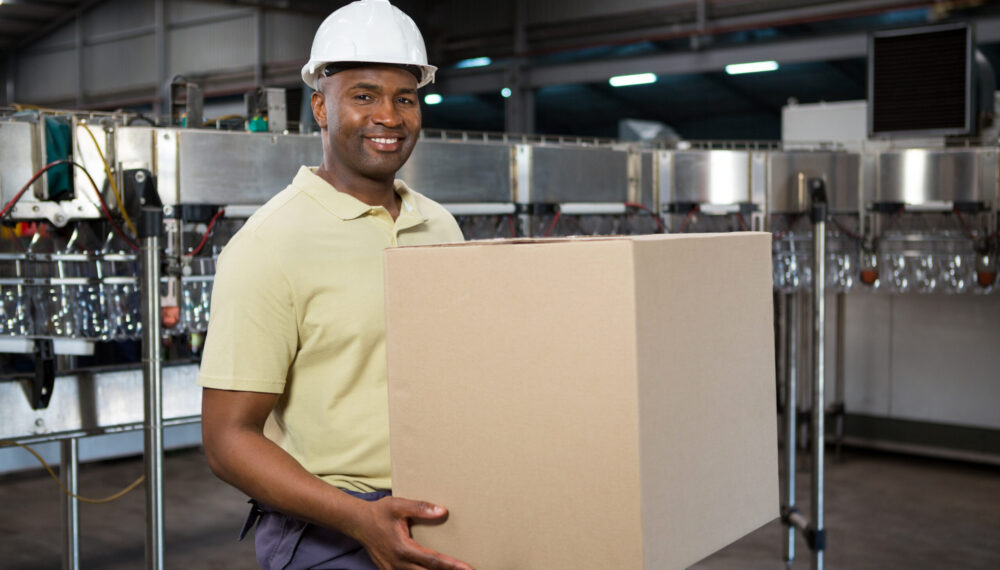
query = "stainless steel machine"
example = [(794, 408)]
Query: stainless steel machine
[(115, 239)]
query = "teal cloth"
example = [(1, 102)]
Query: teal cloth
[(58, 144)]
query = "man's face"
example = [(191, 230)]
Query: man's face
[(372, 117)]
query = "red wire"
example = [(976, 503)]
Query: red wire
[(687, 219), (659, 222), (28, 185), (208, 231), (552, 226), (104, 206), (968, 232), (743, 224), (845, 229)]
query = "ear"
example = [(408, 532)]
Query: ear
[(318, 104)]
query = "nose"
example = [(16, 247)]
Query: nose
[(386, 114)]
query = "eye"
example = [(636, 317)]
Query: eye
[(364, 97), (406, 101)]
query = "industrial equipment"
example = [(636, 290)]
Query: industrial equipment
[(87, 229)]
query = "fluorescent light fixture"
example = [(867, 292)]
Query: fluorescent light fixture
[(752, 67), (474, 62), (432, 98), (505, 92), (637, 79)]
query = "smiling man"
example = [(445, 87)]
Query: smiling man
[(294, 408)]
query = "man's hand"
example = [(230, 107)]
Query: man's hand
[(385, 533)]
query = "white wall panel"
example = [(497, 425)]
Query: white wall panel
[(946, 359), (867, 324), (120, 65), (179, 11), (219, 47), (46, 77), (288, 37), (116, 16)]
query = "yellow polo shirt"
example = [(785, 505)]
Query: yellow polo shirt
[(298, 310)]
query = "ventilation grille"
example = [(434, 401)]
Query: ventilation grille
[(920, 83)]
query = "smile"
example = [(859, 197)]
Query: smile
[(385, 140)]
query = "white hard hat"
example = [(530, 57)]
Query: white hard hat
[(368, 31)]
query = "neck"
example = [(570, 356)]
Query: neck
[(371, 192)]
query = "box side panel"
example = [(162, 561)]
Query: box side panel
[(512, 399), (708, 436)]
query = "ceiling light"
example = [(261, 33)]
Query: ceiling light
[(432, 98), (637, 79), (752, 67), (505, 92), (474, 62)]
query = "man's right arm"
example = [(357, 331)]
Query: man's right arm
[(238, 453)]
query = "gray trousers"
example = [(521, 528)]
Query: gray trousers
[(286, 543)]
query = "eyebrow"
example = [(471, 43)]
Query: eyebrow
[(373, 87)]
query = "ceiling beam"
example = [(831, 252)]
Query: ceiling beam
[(830, 48)]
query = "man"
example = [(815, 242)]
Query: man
[(295, 409)]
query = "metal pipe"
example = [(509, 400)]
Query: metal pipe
[(839, 380), (69, 473), (819, 324), (791, 411), (152, 386)]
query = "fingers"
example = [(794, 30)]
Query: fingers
[(418, 510), (421, 558), (396, 549)]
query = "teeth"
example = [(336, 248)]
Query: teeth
[(384, 141)]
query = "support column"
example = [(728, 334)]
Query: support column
[(160, 49), (78, 25), (520, 106), (258, 64), (10, 72)]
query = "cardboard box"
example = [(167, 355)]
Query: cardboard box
[(585, 403)]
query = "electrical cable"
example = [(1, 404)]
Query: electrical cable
[(21, 192), (968, 233), (104, 206), (552, 226), (513, 226), (687, 219), (659, 222), (210, 122), (52, 473), (111, 181), (140, 117), (845, 230), (208, 231), (742, 222)]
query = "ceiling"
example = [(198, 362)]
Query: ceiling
[(22, 20), (698, 101), (705, 104)]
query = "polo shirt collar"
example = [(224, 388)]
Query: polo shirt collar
[(347, 207)]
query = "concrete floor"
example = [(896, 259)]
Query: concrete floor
[(883, 512)]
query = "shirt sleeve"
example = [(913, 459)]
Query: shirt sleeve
[(252, 332)]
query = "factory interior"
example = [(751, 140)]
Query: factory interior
[(137, 137)]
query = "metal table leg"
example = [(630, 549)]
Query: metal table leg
[(791, 412), (68, 472), (152, 225), (817, 191)]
